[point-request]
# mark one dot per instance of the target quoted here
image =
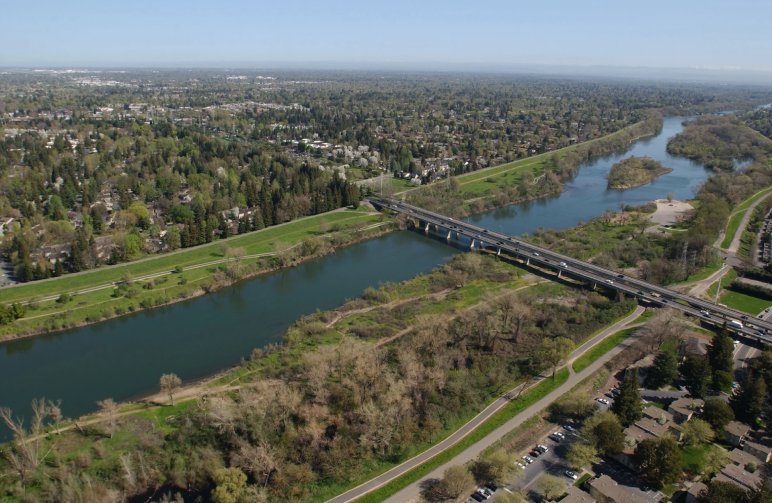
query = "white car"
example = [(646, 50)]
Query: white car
[(603, 401), (571, 475)]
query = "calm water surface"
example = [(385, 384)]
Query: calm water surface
[(123, 358)]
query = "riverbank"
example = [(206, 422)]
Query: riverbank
[(89, 297), (92, 296), (347, 343)]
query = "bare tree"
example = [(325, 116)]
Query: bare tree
[(25, 453), (108, 408), (169, 384)]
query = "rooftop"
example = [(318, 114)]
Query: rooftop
[(737, 428), (613, 491), (738, 475)]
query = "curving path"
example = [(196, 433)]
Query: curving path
[(412, 492)]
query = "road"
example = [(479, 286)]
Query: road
[(412, 492), (565, 266), (462, 432), (735, 244)]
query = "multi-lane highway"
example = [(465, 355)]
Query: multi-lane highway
[(753, 329)]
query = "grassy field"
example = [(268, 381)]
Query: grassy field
[(93, 295), (601, 349), (738, 214), (744, 302)]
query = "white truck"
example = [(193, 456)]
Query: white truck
[(736, 324)]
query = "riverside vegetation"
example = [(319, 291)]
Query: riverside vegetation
[(634, 172), (345, 396), (70, 301)]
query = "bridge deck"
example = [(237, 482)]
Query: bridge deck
[(708, 312)]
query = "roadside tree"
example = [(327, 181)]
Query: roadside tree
[(553, 351)]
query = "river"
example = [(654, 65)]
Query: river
[(124, 358)]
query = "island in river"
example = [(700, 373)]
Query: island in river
[(634, 172)]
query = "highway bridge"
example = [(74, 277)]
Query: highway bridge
[(753, 329)]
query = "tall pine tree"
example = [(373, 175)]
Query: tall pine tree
[(627, 405)]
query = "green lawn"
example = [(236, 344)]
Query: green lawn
[(601, 349), (262, 241), (744, 302), (737, 216)]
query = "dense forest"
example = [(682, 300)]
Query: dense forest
[(718, 142)]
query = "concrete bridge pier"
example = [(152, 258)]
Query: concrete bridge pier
[(426, 229), (471, 246), (498, 252), (560, 271), (447, 238)]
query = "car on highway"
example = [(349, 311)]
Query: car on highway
[(564, 265), (535, 254), (622, 276), (610, 281), (571, 475), (705, 313)]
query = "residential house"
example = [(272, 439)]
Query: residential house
[(576, 495), (735, 432), (606, 490), (742, 458), (738, 475), (694, 493), (684, 408), (762, 452)]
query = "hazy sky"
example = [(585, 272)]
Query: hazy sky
[(656, 33)]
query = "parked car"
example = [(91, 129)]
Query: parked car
[(603, 401), (528, 459), (542, 448), (571, 475), (478, 497), (568, 427)]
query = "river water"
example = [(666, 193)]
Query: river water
[(124, 358)]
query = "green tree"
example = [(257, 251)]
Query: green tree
[(664, 371), (721, 362), (725, 492), (717, 413), (696, 431), (610, 437), (551, 487), (554, 350), (496, 467), (580, 454), (696, 373), (231, 486), (659, 461), (455, 481), (749, 402), (627, 405)]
